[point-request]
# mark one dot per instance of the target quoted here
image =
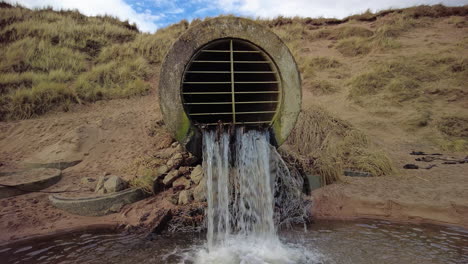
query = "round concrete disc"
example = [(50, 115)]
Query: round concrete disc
[(28, 181)]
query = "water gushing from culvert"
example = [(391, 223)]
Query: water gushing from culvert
[(241, 183)]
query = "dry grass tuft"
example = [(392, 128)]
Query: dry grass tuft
[(322, 87), (354, 46), (51, 59), (342, 33), (455, 126), (401, 77), (326, 145)]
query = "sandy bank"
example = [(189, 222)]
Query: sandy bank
[(437, 196)]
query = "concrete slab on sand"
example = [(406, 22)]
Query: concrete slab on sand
[(22, 182), (97, 205), (61, 165)]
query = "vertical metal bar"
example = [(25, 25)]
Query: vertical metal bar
[(233, 95)]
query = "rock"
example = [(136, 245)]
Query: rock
[(185, 197), (166, 153), (182, 181), (164, 140), (87, 180), (171, 177), (161, 170), (100, 185), (114, 184), (184, 170), (411, 166), (199, 192), (110, 184), (173, 199), (197, 174), (175, 161), (160, 221), (190, 160)]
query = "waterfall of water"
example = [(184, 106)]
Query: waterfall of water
[(240, 193)]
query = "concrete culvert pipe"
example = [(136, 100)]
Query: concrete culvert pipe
[(229, 71)]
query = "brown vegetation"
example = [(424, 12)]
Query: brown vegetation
[(404, 69)]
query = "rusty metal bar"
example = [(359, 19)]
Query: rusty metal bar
[(222, 51), (244, 72), (208, 103), (259, 92), (203, 61), (233, 96), (207, 93), (205, 114), (258, 82), (208, 71), (252, 62), (206, 82), (257, 102)]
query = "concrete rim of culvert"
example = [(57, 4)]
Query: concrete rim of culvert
[(196, 37), (34, 180), (97, 205)]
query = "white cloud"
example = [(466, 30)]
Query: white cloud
[(317, 8), (117, 8), (170, 11)]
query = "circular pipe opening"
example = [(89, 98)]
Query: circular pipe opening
[(232, 71), (231, 81)]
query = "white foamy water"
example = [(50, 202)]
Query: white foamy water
[(241, 181)]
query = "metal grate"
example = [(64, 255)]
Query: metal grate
[(231, 81)]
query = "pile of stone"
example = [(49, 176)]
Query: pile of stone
[(182, 175)]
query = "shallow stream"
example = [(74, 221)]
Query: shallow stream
[(362, 242)]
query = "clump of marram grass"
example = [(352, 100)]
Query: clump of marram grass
[(354, 46), (403, 89), (420, 119), (27, 103), (458, 21), (309, 65), (114, 80), (64, 57), (325, 145), (454, 126), (342, 33), (152, 47), (323, 63), (355, 41), (322, 87), (400, 77)]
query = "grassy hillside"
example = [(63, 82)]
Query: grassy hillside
[(372, 82), (53, 59), (377, 85)]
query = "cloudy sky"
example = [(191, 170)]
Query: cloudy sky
[(150, 15)]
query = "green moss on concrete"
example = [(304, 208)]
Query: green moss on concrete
[(183, 127)]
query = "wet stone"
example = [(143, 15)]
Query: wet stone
[(175, 161), (197, 174), (199, 192), (185, 197), (182, 181), (171, 177)]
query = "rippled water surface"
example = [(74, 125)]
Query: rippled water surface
[(325, 242)]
